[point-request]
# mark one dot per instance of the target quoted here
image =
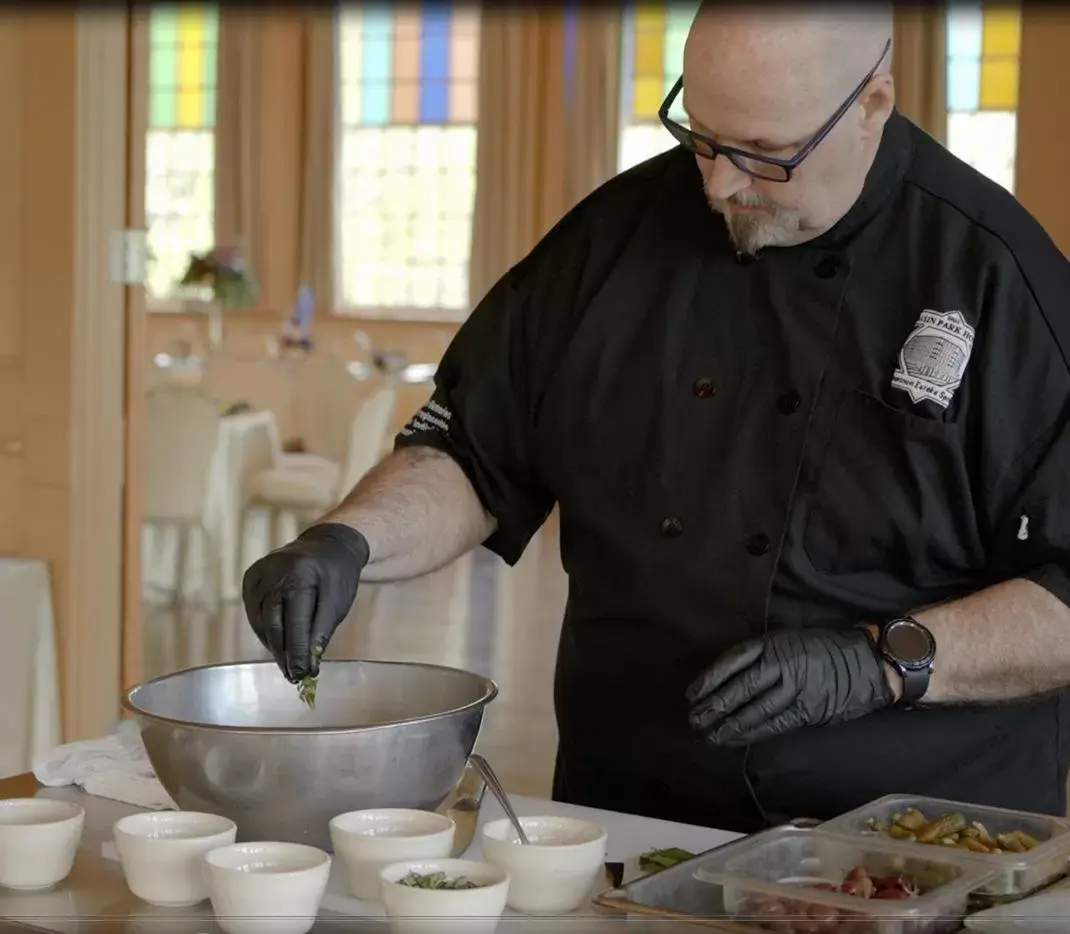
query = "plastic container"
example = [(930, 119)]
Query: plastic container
[(767, 882), (1018, 873)]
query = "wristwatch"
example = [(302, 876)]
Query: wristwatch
[(910, 649)]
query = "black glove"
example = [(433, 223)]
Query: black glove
[(787, 680), (296, 597)]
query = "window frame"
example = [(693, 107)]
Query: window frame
[(174, 305), (982, 114), (406, 314), (650, 125)]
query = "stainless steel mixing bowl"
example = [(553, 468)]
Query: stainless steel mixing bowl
[(236, 740)]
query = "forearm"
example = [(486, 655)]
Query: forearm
[(1006, 643), (418, 512)]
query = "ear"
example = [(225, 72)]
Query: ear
[(877, 102)]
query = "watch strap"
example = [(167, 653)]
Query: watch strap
[(915, 682)]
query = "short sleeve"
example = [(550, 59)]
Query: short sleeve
[(1027, 425), (1034, 537), (480, 412)]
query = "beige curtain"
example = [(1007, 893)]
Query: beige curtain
[(918, 65), (315, 262), (593, 114), (540, 149), (237, 138)]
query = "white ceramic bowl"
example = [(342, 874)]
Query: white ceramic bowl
[(266, 888), (555, 873), (438, 910), (162, 854), (367, 841), (39, 838)]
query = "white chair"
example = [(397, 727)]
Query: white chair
[(305, 493), (326, 400), (263, 384), (182, 433), (30, 726)]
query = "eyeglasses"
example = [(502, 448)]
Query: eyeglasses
[(765, 167)]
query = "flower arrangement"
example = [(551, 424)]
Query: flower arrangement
[(222, 269)]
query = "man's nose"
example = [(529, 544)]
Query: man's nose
[(724, 178)]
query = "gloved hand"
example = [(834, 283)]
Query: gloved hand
[(296, 597), (787, 680)]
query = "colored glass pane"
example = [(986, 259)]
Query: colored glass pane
[(1002, 34), (408, 111), (964, 84), (183, 54), (983, 49), (983, 52), (409, 63), (999, 85), (180, 143), (652, 59)]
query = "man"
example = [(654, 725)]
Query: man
[(809, 449)]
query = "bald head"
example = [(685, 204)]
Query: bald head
[(785, 63), (765, 80)]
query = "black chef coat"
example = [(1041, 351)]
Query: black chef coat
[(839, 431)]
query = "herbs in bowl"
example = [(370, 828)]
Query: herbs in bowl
[(443, 888), (437, 880)]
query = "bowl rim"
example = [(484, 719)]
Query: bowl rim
[(75, 811), (335, 823), (600, 839), (129, 703), (121, 826), (456, 865), (323, 858)]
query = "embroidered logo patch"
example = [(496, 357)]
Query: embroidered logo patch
[(933, 359)]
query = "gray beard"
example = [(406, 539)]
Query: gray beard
[(751, 232)]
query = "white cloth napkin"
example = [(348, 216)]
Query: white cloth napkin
[(115, 767)]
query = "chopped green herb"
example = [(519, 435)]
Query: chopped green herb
[(436, 880), (306, 690), (656, 860)]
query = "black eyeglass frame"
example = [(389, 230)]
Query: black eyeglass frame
[(687, 136)]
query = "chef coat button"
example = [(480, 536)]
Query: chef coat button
[(744, 259), (827, 267), (757, 544), (703, 387), (789, 402), (671, 527)]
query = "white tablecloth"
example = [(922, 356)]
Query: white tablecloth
[(30, 725), (243, 441)]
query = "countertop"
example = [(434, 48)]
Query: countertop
[(94, 899)]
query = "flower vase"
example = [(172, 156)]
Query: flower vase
[(215, 328)]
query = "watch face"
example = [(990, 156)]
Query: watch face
[(908, 642)]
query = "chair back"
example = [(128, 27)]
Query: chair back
[(263, 384), (182, 433), (368, 434), (326, 400)]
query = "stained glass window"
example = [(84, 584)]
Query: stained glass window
[(652, 58), (180, 155), (983, 48), (408, 111)]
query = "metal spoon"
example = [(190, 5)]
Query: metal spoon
[(482, 766)]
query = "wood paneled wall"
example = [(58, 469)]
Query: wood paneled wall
[(60, 417), (1043, 164)]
